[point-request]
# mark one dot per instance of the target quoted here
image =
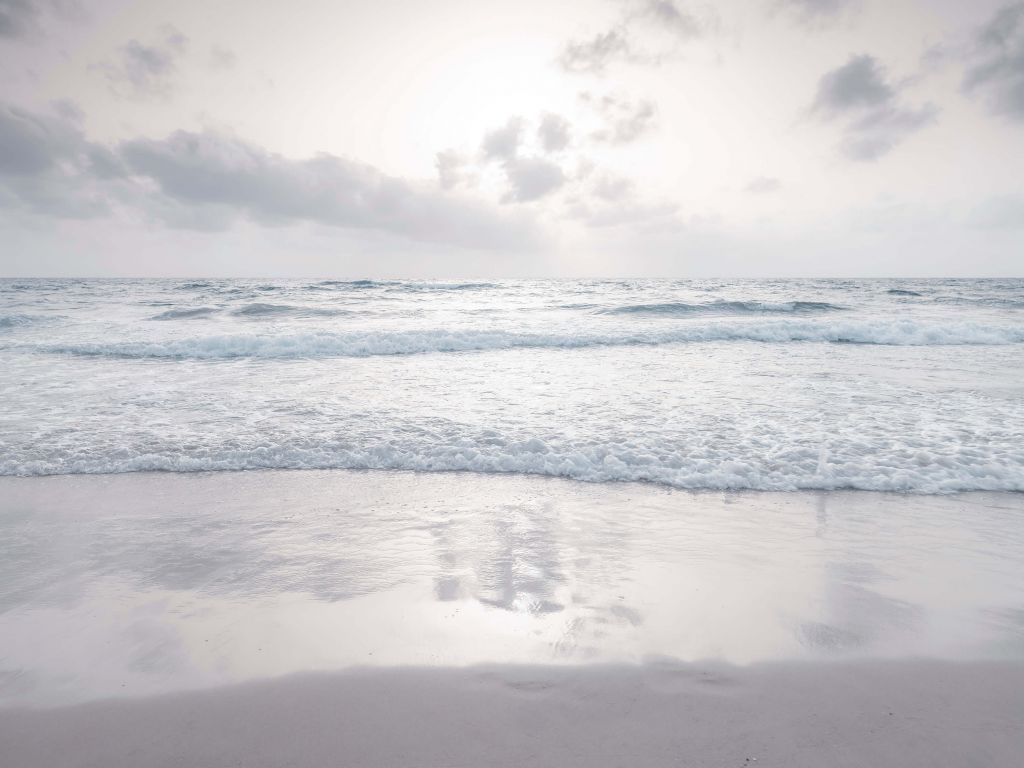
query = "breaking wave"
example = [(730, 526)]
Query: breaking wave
[(376, 343), (854, 465), (185, 313), (18, 321), (678, 309), (270, 310)]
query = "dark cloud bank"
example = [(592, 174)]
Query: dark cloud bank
[(208, 180), (997, 63), (872, 110)]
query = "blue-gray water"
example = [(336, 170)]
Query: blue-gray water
[(870, 384)]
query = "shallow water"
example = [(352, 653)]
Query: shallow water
[(148, 583), (777, 385)]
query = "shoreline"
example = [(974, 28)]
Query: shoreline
[(539, 476), (385, 618)]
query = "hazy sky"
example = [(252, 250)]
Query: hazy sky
[(468, 138)]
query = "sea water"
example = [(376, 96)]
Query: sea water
[(913, 386)]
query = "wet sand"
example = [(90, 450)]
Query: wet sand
[(384, 618), (878, 714)]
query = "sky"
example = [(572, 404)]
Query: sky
[(478, 138)]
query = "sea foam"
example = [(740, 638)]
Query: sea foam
[(374, 343)]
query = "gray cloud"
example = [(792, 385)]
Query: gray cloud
[(145, 70), (46, 166), (553, 133), (198, 169), (858, 83), (670, 16), (221, 58), (998, 69), (503, 143), (763, 185), (639, 19), (593, 56), (450, 168), (626, 120), (17, 18), (880, 131), (817, 11), (612, 189), (208, 180), (876, 121), (531, 178), (31, 145)]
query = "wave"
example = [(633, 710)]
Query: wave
[(677, 309), (194, 285), (268, 310), (378, 343), (878, 467), (405, 285), (1000, 302), (185, 313), (902, 292), (19, 321)]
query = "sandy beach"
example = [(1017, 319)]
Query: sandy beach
[(900, 714), (389, 618)]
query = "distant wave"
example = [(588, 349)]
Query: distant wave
[(185, 313), (406, 285), (368, 344), (195, 285), (680, 309), (268, 310), (999, 302), (902, 292), (18, 321)]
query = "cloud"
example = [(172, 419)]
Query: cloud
[(553, 133), (879, 132), (858, 83), (625, 120), (450, 169), (199, 169), (531, 178), (503, 143), (815, 12), (30, 145), (681, 22), (208, 180), (998, 69), (876, 121), (593, 56), (663, 22), (144, 71), (221, 58), (46, 166), (612, 189), (764, 185), (18, 18)]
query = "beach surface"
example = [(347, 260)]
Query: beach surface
[(448, 619), (878, 714)]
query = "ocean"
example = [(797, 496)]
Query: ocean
[(914, 386)]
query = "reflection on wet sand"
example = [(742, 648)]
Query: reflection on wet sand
[(141, 584)]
